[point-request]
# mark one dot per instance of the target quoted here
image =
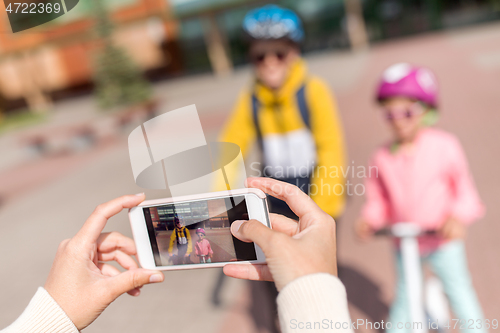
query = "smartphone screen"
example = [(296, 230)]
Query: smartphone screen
[(197, 232)]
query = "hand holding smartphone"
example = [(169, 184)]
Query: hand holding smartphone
[(195, 231), (293, 248)]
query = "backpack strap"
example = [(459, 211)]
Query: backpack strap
[(255, 115), (300, 97), (302, 104)]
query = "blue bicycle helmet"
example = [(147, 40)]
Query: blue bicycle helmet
[(273, 22)]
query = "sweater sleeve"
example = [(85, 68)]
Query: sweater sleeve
[(314, 303), (42, 315), (190, 242), (172, 241), (467, 205), (326, 127), (376, 208)]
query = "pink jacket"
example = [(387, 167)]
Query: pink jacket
[(425, 186), (203, 248)]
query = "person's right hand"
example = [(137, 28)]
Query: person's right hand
[(453, 229), (292, 248), (81, 282), (363, 230)]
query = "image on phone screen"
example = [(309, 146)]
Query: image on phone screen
[(197, 232)]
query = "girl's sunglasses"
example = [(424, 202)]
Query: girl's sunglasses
[(259, 57), (414, 110)]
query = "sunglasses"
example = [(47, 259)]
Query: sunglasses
[(259, 56), (415, 109)]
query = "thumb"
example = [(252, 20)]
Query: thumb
[(132, 279), (252, 231)]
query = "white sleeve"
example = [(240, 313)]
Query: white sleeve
[(42, 315), (314, 303)]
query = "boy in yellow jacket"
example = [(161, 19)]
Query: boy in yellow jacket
[(289, 113), (182, 238)]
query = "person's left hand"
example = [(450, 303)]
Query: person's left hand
[(453, 229), (80, 282)]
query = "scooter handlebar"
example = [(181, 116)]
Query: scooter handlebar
[(404, 229)]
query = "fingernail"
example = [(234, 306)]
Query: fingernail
[(156, 278), (237, 225), (140, 194)]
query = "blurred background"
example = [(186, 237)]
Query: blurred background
[(72, 89)]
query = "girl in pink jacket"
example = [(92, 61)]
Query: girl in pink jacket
[(203, 248), (422, 176)]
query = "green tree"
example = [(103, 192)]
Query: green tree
[(118, 80)]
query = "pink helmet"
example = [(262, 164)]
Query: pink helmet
[(406, 80), (201, 230)]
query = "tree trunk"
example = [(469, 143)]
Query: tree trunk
[(217, 47), (356, 28)]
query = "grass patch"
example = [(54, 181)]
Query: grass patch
[(19, 120)]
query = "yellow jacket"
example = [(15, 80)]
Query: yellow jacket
[(180, 233), (280, 120)]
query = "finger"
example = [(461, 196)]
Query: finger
[(111, 271), (252, 231), (134, 292), (132, 279), (120, 257), (365, 237), (363, 231), (284, 224), (258, 272), (299, 202), (444, 232), (94, 225), (111, 241), (108, 270), (456, 232), (452, 231)]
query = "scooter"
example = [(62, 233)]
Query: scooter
[(204, 259), (434, 307)]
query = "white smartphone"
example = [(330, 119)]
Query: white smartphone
[(194, 231)]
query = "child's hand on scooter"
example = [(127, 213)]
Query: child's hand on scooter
[(363, 230), (452, 229)]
